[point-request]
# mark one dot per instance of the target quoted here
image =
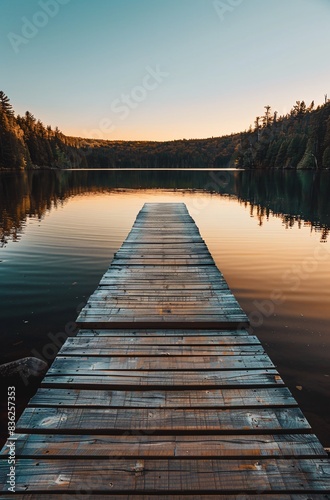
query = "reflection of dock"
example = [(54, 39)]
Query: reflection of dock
[(163, 391)]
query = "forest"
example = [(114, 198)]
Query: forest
[(297, 140)]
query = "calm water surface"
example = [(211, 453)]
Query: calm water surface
[(268, 233)]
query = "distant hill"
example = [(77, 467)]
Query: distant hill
[(298, 140)]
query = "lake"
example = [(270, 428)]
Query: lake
[(267, 231)]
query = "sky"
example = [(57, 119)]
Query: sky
[(162, 69)]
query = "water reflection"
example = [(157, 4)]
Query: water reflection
[(299, 198)]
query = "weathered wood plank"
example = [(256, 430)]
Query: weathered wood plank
[(173, 379), (96, 365), (163, 261), (159, 322), (179, 232), (119, 315), (161, 271), (172, 476), (202, 301), (105, 342), (152, 305), (184, 496), (210, 398), (160, 238), (203, 304), (183, 258), (170, 287), (153, 446), (142, 275), (160, 234), (177, 246), (218, 309), (207, 298), (211, 270), (143, 304), (189, 303), (161, 421), (107, 294), (169, 280), (79, 347), (146, 334), (183, 251), (156, 250), (220, 313)]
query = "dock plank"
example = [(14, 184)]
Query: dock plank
[(174, 476), (159, 341), (159, 420), (184, 496), (172, 446), (174, 379), (97, 348), (209, 398), (151, 334), (100, 365)]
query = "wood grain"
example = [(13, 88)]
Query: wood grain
[(172, 446), (161, 421), (209, 398), (173, 476)]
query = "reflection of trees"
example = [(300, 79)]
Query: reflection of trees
[(33, 193), (298, 198)]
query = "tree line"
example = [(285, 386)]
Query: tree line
[(26, 142), (298, 140)]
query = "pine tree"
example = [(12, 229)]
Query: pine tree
[(5, 105), (13, 152)]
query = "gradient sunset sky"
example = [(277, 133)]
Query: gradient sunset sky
[(162, 69)]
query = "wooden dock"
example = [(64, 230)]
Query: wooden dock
[(163, 394)]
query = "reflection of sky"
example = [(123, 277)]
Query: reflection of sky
[(220, 72)]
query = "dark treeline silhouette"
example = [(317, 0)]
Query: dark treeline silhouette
[(298, 140), (26, 143), (298, 198), (193, 153)]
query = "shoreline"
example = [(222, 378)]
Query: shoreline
[(177, 169)]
